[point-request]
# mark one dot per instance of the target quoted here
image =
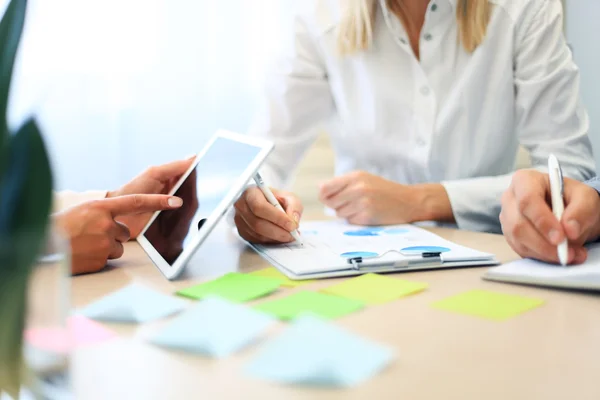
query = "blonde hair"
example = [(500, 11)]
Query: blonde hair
[(356, 27)]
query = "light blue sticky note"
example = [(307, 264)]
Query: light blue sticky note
[(214, 327), (134, 304), (313, 351)]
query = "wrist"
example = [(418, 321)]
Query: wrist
[(434, 203)]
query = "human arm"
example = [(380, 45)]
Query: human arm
[(531, 228), (94, 233), (549, 116), (297, 100), (72, 208), (366, 199)]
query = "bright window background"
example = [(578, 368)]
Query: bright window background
[(118, 85)]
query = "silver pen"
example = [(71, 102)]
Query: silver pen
[(273, 200)]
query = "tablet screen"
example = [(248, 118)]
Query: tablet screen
[(203, 190)]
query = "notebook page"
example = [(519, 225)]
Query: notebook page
[(540, 270)]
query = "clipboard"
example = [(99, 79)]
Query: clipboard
[(330, 250)]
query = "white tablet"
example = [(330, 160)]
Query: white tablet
[(218, 176)]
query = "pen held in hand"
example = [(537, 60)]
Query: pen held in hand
[(273, 201), (556, 196)]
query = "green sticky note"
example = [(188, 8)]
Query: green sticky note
[(491, 305), (233, 287), (375, 289), (273, 272), (323, 305)]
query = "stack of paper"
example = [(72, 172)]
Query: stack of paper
[(214, 327), (585, 276), (314, 352), (134, 304)]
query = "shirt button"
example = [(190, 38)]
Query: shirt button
[(403, 41), (433, 7), (425, 91), (421, 142), (428, 36)]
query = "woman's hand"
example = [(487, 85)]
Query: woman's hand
[(366, 199), (258, 221)]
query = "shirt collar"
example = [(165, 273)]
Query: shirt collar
[(384, 7)]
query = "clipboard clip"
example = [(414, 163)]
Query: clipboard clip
[(434, 258), (358, 260)]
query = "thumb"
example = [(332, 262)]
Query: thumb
[(140, 203), (172, 170), (292, 205), (578, 216)]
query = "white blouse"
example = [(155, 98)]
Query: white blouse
[(452, 117)]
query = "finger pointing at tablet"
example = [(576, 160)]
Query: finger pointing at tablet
[(94, 233), (140, 203)]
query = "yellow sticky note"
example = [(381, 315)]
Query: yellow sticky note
[(375, 289), (273, 272), (490, 305)]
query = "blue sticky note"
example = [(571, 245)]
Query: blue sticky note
[(133, 304), (214, 327), (315, 352)]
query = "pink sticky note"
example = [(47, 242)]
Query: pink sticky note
[(81, 331)]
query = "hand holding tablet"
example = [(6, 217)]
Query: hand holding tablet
[(217, 176)]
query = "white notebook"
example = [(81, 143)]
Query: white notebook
[(336, 248), (585, 276)]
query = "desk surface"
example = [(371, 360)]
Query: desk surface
[(552, 352)]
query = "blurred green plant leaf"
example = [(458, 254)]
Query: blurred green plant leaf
[(26, 190), (11, 30), (25, 203)]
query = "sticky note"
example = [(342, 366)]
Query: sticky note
[(490, 305), (273, 272), (214, 327), (324, 305), (375, 289), (79, 332), (312, 351), (234, 287), (133, 304)]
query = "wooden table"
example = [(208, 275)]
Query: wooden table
[(552, 352)]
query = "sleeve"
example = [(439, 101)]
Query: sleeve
[(594, 183), (297, 100), (550, 117), (67, 199)]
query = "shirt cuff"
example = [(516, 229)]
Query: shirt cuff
[(476, 202), (594, 183)]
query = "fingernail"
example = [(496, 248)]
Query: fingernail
[(175, 202), (289, 226), (574, 227), (296, 218), (554, 236)]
